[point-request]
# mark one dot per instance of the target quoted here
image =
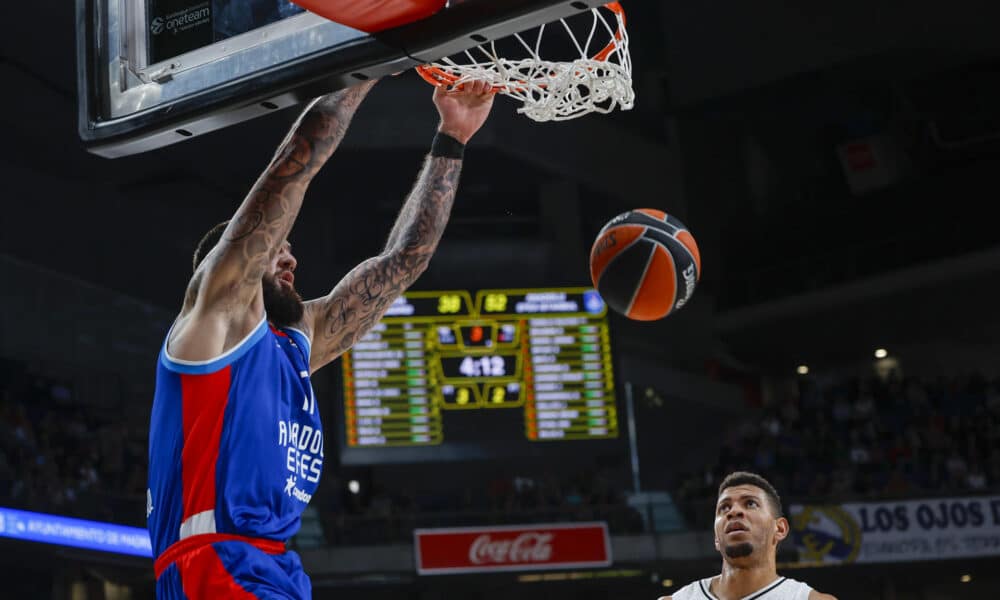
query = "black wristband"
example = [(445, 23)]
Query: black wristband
[(446, 146)]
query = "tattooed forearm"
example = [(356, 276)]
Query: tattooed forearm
[(317, 134), (266, 216), (259, 228), (422, 220), (367, 292), (359, 302)]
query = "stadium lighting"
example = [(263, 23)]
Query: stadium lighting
[(881, 353), (354, 486), (802, 370), (668, 583), (966, 578)]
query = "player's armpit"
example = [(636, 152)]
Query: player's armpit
[(667, 598), (358, 302)]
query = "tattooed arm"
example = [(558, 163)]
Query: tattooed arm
[(363, 296), (224, 298)]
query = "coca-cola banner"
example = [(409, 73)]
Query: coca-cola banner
[(511, 548)]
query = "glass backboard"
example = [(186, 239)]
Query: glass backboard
[(156, 72)]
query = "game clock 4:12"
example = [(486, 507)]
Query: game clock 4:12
[(480, 381), (479, 367)]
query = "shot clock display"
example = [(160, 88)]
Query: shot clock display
[(501, 367)]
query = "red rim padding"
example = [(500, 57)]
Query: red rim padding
[(372, 16)]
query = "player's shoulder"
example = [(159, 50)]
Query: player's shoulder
[(799, 590), (804, 590), (687, 592)]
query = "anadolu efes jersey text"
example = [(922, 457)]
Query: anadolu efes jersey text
[(236, 444)]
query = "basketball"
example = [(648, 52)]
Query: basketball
[(645, 264)]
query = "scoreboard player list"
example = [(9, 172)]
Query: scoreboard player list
[(544, 353)]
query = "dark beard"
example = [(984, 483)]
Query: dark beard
[(284, 307), (739, 550)]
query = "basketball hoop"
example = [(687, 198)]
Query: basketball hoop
[(553, 90)]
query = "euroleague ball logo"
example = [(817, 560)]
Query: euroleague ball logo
[(156, 26), (690, 281), (618, 220), (604, 243)]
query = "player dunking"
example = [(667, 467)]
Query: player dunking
[(236, 443), (748, 527)]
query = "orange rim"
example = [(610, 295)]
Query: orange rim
[(437, 76)]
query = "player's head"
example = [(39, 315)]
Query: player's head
[(281, 300), (748, 519)]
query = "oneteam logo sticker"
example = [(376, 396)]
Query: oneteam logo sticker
[(181, 20)]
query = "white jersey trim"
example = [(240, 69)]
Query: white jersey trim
[(203, 522), (214, 364), (781, 588)]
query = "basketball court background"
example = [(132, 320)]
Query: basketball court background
[(836, 168)]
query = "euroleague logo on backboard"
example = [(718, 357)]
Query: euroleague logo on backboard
[(182, 20)]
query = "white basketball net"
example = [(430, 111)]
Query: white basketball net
[(600, 80)]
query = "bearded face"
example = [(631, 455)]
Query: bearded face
[(738, 550), (283, 304)]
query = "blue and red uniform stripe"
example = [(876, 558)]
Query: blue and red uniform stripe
[(225, 460)]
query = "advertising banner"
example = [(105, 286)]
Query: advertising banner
[(513, 548), (79, 533), (910, 530)]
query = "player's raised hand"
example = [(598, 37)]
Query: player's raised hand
[(463, 110)]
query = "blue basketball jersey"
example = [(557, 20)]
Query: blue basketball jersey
[(235, 443)]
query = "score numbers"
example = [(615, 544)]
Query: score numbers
[(495, 303), (543, 352), (483, 366), (449, 304)]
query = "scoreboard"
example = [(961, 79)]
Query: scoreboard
[(503, 366)]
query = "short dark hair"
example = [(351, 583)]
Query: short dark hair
[(208, 241), (747, 478)]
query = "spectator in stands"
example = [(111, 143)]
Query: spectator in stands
[(871, 438)]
